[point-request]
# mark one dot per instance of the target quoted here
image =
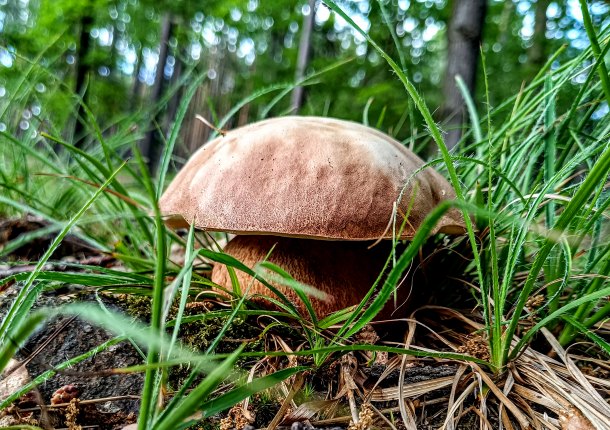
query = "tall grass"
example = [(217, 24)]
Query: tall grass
[(547, 212), (93, 193)]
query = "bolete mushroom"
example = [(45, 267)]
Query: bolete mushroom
[(320, 190)]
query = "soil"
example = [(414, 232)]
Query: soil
[(114, 398), (110, 401)]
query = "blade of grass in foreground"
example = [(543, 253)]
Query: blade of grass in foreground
[(401, 265), (192, 402), (111, 321), (184, 277), (498, 290), (219, 257), (227, 400), (231, 398), (152, 376), (557, 314), (603, 71), (601, 342), (549, 139), (278, 275)]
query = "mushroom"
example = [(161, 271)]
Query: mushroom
[(320, 190)]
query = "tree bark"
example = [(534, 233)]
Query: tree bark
[(537, 52), (244, 112), (174, 102), (151, 144), (82, 68), (464, 39), (136, 90), (303, 57)]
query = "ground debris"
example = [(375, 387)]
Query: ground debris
[(235, 419), (72, 412), (573, 419), (365, 419), (65, 394), (475, 345), (28, 237)]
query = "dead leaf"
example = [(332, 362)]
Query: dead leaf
[(16, 377), (573, 419)]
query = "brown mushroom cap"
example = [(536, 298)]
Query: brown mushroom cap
[(306, 177)]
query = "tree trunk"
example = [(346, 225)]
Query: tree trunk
[(174, 102), (244, 112), (82, 68), (537, 52), (464, 39), (151, 144), (303, 57), (136, 90)]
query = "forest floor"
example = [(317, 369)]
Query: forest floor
[(91, 394)]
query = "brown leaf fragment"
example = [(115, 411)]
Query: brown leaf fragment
[(573, 419), (15, 377)]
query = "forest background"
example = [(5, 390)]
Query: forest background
[(133, 58)]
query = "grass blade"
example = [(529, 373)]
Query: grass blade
[(192, 402)]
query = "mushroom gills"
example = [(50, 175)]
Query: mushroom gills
[(343, 270)]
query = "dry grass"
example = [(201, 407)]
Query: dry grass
[(539, 390)]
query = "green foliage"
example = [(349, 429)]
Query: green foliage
[(247, 46), (113, 215), (533, 110)]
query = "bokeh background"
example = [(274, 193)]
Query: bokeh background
[(133, 58)]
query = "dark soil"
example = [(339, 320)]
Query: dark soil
[(110, 401), (64, 338)]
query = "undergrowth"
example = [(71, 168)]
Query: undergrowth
[(531, 179)]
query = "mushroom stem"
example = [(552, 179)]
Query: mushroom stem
[(344, 270)]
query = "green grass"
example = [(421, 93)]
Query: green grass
[(531, 177), (544, 216)]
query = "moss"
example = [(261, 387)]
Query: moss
[(266, 407), (201, 333), (136, 306)]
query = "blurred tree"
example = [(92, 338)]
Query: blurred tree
[(303, 56), (82, 67), (244, 47), (152, 142), (464, 39), (537, 52)]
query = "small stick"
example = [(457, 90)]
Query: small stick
[(86, 402), (209, 124)]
